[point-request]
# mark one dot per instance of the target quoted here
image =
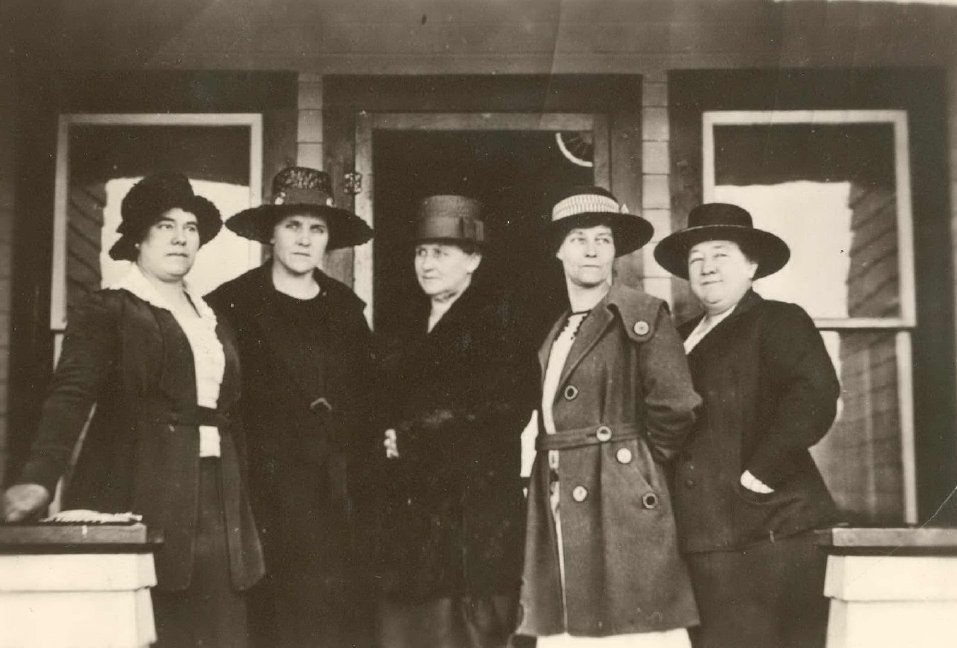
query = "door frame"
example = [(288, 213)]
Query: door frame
[(369, 122)]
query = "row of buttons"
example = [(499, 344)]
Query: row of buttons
[(648, 500)]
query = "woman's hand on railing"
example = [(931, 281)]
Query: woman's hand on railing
[(23, 502)]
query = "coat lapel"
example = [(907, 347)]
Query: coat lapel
[(749, 301), (546, 349), (588, 336)]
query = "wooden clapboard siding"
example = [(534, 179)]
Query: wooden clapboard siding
[(84, 226)]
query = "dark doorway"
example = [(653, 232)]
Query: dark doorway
[(514, 173)]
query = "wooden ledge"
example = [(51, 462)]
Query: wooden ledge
[(889, 540)]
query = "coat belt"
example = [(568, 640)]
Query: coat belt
[(160, 412), (580, 437)]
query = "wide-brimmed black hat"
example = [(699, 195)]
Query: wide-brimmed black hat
[(152, 197), (590, 206), (722, 222), (451, 219), (301, 191)]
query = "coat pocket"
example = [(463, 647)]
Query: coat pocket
[(759, 516), (646, 481)]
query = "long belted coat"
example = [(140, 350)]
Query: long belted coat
[(770, 392), (624, 406), (141, 450), (459, 397)]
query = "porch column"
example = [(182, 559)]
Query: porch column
[(8, 119), (309, 131), (952, 141), (655, 177)]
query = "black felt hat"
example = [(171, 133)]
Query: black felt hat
[(722, 222), (305, 191), (590, 206), (150, 198)]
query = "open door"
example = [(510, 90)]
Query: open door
[(512, 162)]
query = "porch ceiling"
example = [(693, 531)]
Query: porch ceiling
[(481, 36)]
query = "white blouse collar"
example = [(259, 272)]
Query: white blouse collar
[(136, 283)]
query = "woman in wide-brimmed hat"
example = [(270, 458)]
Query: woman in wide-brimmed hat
[(601, 557), (747, 492), (460, 387), (307, 401), (163, 374)]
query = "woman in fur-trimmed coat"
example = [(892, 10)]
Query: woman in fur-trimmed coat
[(461, 388)]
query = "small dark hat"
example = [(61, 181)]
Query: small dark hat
[(152, 197), (301, 190), (722, 222), (590, 206), (449, 218)]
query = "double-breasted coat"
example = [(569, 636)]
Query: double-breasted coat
[(623, 408), (770, 393), (141, 450), (307, 402), (459, 397)]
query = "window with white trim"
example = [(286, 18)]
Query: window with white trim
[(835, 185)]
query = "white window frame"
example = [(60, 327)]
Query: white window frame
[(907, 321), (58, 297)]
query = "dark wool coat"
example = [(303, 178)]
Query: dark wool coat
[(624, 406), (303, 422), (141, 450), (459, 398), (770, 393)]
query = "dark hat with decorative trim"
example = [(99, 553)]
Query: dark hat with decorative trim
[(146, 202), (450, 218), (722, 222), (301, 191), (591, 206)]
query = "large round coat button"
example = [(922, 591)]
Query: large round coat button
[(571, 392), (649, 500), (603, 433), (689, 483), (623, 455), (641, 327), (579, 493)]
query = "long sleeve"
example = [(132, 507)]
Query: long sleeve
[(87, 359), (805, 389), (670, 399)]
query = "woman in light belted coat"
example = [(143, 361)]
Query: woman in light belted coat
[(601, 561)]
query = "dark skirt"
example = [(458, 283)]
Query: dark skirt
[(211, 613), (450, 622), (312, 595), (770, 595)]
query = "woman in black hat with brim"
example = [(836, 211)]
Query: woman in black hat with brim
[(163, 443), (601, 557), (307, 402), (460, 387), (747, 492)]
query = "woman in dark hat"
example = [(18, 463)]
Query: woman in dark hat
[(307, 401), (601, 557), (461, 387), (747, 492), (163, 374)]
